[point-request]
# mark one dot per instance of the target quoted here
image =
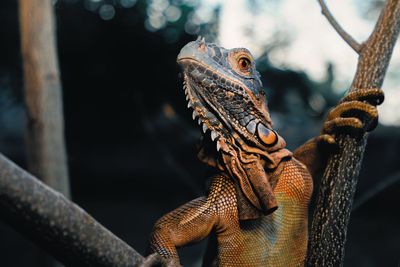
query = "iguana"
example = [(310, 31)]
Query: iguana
[(257, 204)]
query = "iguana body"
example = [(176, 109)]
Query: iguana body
[(279, 239), (257, 204)]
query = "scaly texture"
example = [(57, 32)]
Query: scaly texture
[(276, 240), (257, 205)]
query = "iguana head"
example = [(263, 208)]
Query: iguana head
[(224, 89)]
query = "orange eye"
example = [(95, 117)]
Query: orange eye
[(244, 64)]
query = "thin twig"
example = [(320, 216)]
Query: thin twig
[(347, 37)]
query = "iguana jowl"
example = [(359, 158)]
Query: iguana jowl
[(257, 205)]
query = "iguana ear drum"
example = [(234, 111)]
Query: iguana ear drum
[(267, 136)]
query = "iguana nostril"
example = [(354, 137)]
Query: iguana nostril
[(202, 44), (202, 47), (266, 135)]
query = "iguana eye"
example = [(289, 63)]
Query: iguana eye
[(244, 64)]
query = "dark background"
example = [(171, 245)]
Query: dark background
[(131, 140)]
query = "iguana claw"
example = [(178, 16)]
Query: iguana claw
[(372, 96), (155, 260), (355, 114)]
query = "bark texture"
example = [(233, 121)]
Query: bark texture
[(59, 226), (338, 185), (43, 95)]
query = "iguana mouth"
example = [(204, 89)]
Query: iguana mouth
[(201, 111), (206, 114)]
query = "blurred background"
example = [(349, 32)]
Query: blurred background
[(130, 139)]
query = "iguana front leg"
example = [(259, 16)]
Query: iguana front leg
[(191, 222), (186, 224), (354, 115)]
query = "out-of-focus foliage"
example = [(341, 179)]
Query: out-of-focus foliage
[(171, 18), (371, 8)]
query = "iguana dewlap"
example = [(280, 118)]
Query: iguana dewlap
[(257, 205)]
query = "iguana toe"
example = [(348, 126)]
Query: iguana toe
[(372, 96), (364, 112), (327, 142), (349, 125), (155, 260), (355, 114), (326, 139)]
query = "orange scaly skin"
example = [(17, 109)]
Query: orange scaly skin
[(257, 205), (279, 239)]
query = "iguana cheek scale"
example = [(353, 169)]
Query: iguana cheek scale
[(257, 205)]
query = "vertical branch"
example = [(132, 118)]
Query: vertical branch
[(43, 96), (335, 198)]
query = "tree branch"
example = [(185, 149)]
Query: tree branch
[(59, 226), (347, 37), (47, 158), (335, 197)]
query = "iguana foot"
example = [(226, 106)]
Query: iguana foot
[(355, 115), (155, 260)]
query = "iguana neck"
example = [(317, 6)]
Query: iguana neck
[(254, 175)]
